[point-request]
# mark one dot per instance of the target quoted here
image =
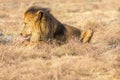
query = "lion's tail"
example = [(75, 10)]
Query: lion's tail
[(86, 36)]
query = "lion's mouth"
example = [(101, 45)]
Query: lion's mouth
[(26, 38)]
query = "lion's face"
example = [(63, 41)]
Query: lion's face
[(26, 30)]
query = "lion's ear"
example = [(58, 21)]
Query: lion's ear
[(39, 13)]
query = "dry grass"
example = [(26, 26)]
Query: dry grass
[(98, 60)]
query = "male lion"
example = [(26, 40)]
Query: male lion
[(40, 25)]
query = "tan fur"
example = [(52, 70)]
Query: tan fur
[(41, 25), (86, 36)]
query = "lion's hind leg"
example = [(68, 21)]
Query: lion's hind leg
[(86, 36)]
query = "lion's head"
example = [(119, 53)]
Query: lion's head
[(36, 24)]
